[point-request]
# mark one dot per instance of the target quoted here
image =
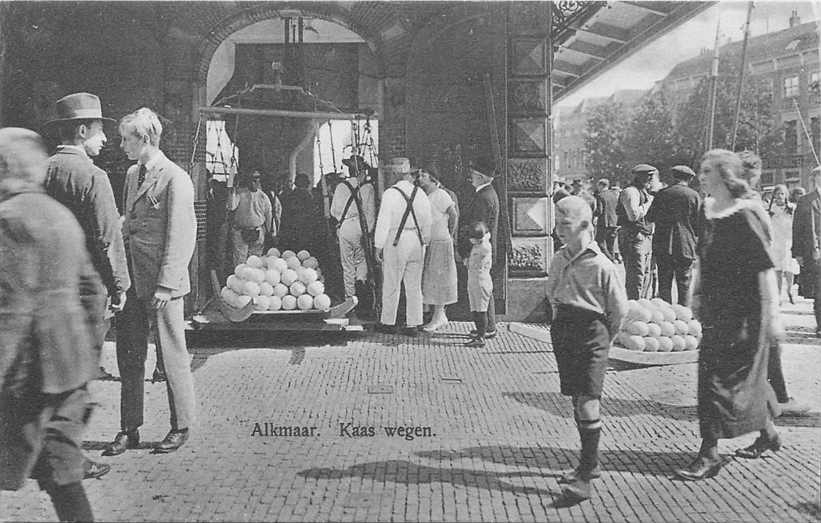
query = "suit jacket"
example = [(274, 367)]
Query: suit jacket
[(675, 211), (160, 227), (605, 211), (806, 229), (483, 206), (85, 189)]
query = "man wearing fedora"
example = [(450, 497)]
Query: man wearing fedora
[(354, 209), (402, 232), (483, 207), (159, 232), (675, 211), (73, 180)]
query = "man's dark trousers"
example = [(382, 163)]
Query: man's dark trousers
[(668, 267)]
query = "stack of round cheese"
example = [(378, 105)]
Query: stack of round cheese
[(278, 281), (656, 326)]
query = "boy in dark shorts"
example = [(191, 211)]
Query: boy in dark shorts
[(589, 302)]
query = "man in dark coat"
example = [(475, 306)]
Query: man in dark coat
[(73, 180), (607, 199), (675, 211), (806, 244), (483, 207), (46, 351)]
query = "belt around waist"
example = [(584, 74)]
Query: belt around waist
[(573, 313)]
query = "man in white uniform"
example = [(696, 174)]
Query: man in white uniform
[(402, 232), (345, 209)]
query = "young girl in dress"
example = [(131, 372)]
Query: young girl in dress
[(781, 215), (480, 284)]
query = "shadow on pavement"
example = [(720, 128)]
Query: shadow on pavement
[(809, 420), (559, 405), (557, 459), (408, 473)]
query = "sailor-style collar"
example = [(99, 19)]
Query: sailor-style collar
[(742, 203)]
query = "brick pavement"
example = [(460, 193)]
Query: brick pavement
[(500, 432)]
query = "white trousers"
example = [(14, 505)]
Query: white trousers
[(352, 256), (402, 264)]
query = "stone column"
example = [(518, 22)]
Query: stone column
[(529, 156)]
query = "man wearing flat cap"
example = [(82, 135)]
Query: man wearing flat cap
[(483, 207), (354, 209), (73, 180), (675, 211), (636, 231)]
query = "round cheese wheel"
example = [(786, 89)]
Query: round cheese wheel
[(653, 330), (288, 302), (665, 344), (280, 290), (683, 313), (297, 289), (316, 288), (293, 263), (635, 343), (251, 289), (651, 344), (254, 261), (273, 252), (307, 276), (261, 303), (279, 265), (678, 343), (311, 263), (303, 255), (667, 328), (658, 316), (690, 342), (242, 301), (694, 328), (669, 313), (289, 276), (638, 328), (274, 303), (288, 254), (305, 302), (681, 327), (272, 276), (322, 302), (266, 289)]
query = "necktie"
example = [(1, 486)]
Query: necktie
[(141, 177)]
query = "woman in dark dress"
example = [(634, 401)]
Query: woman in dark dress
[(736, 298)]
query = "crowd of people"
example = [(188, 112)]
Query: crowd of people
[(729, 251)]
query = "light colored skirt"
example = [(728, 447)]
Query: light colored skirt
[(439, 275)]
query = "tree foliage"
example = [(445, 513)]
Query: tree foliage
[(650, 137), (604, 142)]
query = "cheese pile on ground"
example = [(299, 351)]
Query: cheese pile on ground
[(657, 326), (277, 281)]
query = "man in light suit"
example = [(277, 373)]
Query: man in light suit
[(159, 233), (806, 244)]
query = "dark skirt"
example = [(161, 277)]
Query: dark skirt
[(581, 342), (734, 397)]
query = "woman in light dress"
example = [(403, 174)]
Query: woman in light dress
[(781, 215), (439, 273)]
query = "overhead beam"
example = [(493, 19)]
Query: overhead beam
[(650, 7), (568, 69), (586, 48), (281, 113), (608, 32)]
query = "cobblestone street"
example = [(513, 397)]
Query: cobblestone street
[(499, 434)]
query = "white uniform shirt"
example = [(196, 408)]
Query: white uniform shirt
[(350, 226), (392, 209)]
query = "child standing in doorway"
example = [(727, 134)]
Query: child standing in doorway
[(480, 284)]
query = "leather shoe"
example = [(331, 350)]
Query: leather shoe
[(94, 469), (385, 329), (122, 441), (572, 475), (700, 468), (759, 447), (488, 335), (411, 331), (578, 490), (173, 440), (476, 342)]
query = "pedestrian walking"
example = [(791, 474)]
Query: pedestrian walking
[(252, 217), (73, 180), (159, 231), (482, 207), (736, 300), (47, 354), (806, 245), (635, 231), (589, 303), (675, 212), (402, 231), (354, 208), (480, 284), (439, 282)]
